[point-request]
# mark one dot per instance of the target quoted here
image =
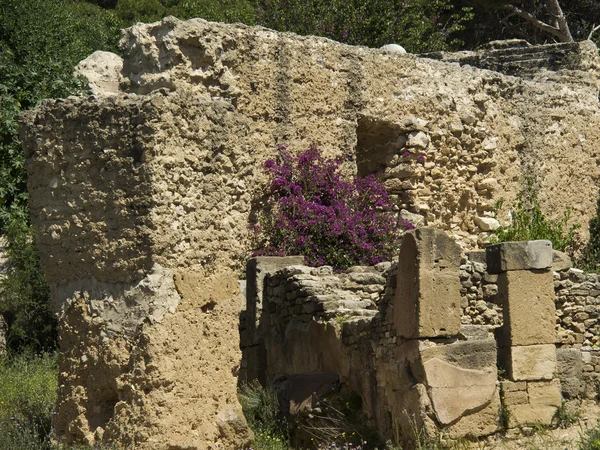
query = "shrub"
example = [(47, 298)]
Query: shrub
[(591, 439), (314, 212), (418, 25), (590, 256), (27, 397), (530, 223), (24, 294), (261, 408)]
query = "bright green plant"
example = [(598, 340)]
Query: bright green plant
[(590, 439), (530, 223), (27, 397)]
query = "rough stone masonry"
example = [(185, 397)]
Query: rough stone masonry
[(141, 193)]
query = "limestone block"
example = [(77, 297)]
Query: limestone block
[(427, 302), (524, 255), (561, 261), (479, 423), (569, 366), (515, 398), (524, 415), (103, 72), (455, 391), (528, 308), (544, 393), (530, 362), (486, 223)]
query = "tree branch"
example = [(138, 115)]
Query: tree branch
[(563, 35), (594, 29)]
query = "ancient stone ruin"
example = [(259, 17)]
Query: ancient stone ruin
[(141, 195)]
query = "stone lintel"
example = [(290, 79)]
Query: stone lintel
[(522, 255)]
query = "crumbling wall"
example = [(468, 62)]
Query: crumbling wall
[(156, 176)]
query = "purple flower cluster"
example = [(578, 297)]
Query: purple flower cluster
[(313, 211)]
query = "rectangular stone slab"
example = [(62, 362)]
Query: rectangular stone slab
[(427, 301), (528, 308), (522, 255), (529, 362)]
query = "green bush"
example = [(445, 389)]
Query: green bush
[(417, 25), (261, 408), (27, 398), (590, 256), (530, 223), (24, 294), (591, 439)]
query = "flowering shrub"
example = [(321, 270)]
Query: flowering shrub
[(313, 211)]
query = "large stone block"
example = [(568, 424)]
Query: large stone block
[(528, 308), (530, 362), (523, 255), (569, 366), (455, 391), (427, 302), (544, 393), (527, 415)]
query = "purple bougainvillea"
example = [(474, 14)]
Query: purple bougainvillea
[(313, 211)]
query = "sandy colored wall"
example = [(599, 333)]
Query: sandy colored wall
[(133, 190)]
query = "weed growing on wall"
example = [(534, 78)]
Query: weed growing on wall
[(590, 256), (530, 223), (313, 211)]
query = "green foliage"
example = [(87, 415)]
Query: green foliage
[(27, 396), (261, 408), (565, 416), (24, 294), (417, 25), (530, 223), (132, 11), (591, 439), (590, 256), (40, 43), (228, 11), (494, 22)]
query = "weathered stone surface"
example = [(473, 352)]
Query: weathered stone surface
[(528, 308), (531, 362), (527, 415), (486, 223), (427, 302), (394, 48), (569, 367), (168, 172), (523, 255), (103, 72), (456, 391), (561, 261), (544, 393)]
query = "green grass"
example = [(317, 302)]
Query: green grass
[(27, 398)]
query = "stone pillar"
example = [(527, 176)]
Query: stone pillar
[(427, 302), (252, 336), (526, 340)]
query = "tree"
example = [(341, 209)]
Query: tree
[(498, 19), (418, 25), (557, 26)]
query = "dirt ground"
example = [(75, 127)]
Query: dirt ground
[(587, 416)]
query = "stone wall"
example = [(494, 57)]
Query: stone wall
[(391, 344), (141, 195), (317, 321)]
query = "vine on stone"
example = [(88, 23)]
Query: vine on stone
[(313, 211)]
